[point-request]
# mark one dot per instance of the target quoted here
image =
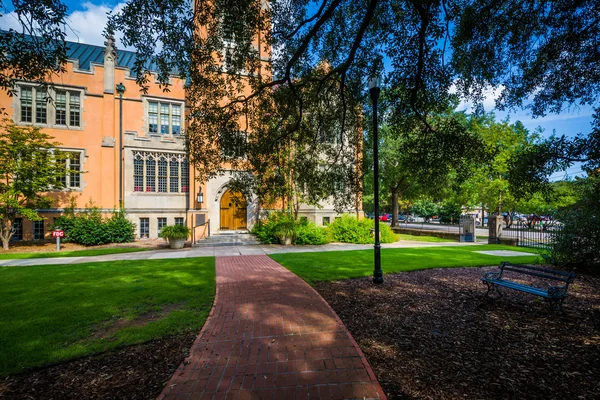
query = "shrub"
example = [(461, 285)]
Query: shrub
[(175, 232), (577, 244), (270, 230), (90, 229), (311, 234), (120, 229), (348, 229)]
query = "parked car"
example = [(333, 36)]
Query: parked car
[(384, 218)]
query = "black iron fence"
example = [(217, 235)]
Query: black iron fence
[(540, 235)]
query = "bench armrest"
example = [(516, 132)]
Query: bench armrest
[(557, 291), (492, 276)]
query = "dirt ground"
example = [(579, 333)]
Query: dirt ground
[(134, 372), (43, 247), (434, 335)]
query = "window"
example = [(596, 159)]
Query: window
[(144, 228), (326, 221), (160, 172), (174, 176), (150, 174), (72, 176), (162, 222), (178, 220), (185, 176), (34, 106), (74, 109), (17, 229), (61, 108), (162, 175), (40, 107), (164, 117), (138, 174), (152, 117), (38, 230), (26, 104)]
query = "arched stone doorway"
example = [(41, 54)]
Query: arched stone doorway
[(233, 213)]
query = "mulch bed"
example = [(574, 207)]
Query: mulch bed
[(433, 334), (134, 372)]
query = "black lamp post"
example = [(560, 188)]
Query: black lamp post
[(200, 197), (121, 90), (374, 92)]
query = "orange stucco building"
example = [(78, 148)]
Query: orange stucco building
[(154, 181)]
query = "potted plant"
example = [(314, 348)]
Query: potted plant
[(175, 234), (286, 233)]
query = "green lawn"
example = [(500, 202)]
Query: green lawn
[(53, 313), (72, 253), (337, 265), (405, 236)]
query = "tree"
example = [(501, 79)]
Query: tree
[(237, 54), (578, 242), (38, 51), (29, 166), (425, 208)]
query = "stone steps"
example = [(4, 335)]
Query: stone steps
[(233, 238)]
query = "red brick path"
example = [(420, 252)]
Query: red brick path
[(271, 336)]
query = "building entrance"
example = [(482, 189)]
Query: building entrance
[(233, 211)]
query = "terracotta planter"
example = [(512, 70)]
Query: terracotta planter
[(176, 243)]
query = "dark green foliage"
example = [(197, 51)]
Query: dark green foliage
[(309, 233), (175, 232), (450, 212), (424, 208), (90, 229), (121, 229), (273, 228), (578, 242), (348, 229)]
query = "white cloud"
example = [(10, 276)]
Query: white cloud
[(490, 95), (84, 26)]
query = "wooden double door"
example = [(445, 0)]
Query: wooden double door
[(233, 211)]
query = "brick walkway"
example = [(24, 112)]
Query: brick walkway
[(271, 336)]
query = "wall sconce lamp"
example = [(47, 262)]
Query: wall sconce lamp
[(200, 197)]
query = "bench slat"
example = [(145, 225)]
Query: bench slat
[(525, 272), (547, 273), (518, 286)]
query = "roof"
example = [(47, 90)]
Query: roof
[(87, 54)]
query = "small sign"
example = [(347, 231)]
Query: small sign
[(58, 233)]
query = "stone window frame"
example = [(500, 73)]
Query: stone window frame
[(160, 102), (145, 156), (179, 221), (50, 109)]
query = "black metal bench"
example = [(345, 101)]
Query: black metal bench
[(555, 295)]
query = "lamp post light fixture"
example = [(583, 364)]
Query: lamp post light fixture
[(200, 197), (374, 89), (121, 89)]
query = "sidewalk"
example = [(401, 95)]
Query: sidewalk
[(220, 251), (271, 336)]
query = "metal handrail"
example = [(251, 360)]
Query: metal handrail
[(206, 233)]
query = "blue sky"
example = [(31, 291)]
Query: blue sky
[(88, 18)]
